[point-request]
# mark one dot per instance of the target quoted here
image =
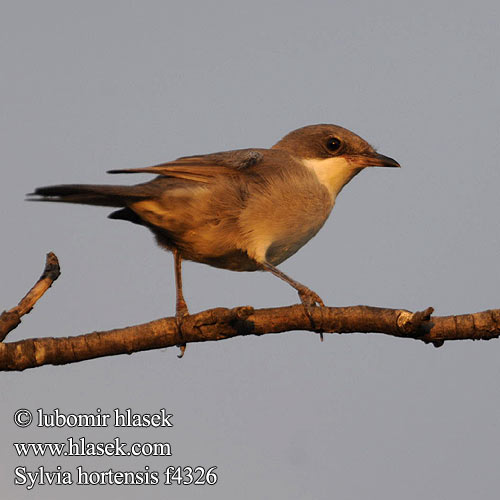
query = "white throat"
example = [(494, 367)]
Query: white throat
[(333, 173)]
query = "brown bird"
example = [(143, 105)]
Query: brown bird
[(244, 210)]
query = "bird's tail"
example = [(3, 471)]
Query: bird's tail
[(88, 194)]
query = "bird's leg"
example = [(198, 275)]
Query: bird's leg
[(181, 309), (308, 298)]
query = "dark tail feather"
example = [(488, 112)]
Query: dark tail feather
[(88, 194), (126, 214)]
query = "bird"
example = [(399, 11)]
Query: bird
[(242, 210)]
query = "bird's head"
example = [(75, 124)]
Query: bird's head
[(334, 153)]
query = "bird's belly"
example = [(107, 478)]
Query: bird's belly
[(234, 260), (207, 248), (282, 249)]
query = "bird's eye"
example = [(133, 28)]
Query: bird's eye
[(333, 144)]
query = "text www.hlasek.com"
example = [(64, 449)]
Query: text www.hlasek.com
[(83, 448)]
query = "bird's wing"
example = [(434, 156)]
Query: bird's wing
[(203, 168)]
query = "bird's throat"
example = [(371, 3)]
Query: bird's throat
[(333, 173)]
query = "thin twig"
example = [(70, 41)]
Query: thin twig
[(10, 319)]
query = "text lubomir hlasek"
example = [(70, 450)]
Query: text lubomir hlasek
[(119, 418)]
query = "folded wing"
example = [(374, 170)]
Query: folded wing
[(202, 168)]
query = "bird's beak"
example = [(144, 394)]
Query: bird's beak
[(374, 160)]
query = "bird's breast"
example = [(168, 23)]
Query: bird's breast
[(284, 215)]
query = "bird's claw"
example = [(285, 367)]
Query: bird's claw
[(180, 313), (181, 309), (310, 298), (182, 348)]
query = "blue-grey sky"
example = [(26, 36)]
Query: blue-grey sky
[(91, 86)]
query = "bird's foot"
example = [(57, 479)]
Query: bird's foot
[(310, 300), (181, 311)]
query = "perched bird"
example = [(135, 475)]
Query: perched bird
[(244, 210)]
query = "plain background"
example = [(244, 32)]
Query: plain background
[(90, 86)]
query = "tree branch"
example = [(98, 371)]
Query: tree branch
[(221, 323)]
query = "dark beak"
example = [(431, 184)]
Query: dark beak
[(374, 160)]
